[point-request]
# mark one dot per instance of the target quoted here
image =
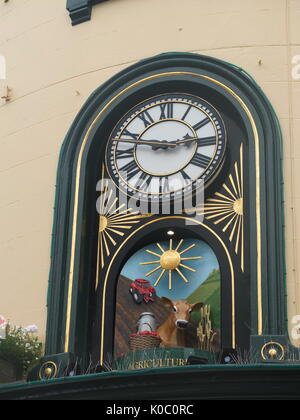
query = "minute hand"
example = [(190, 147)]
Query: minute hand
[(207, 141), (148, 142)]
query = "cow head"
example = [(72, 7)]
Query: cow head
[(181, 311)]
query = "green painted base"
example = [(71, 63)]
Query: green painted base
[(256, 382)]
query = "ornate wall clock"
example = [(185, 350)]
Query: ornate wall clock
[(172, 120), (165, 145)]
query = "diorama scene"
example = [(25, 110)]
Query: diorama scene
[(169, 296)]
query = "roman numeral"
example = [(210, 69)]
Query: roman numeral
[(163, 111), (201, 160), (186, 113), (164, 186), (207, 141), (170, 110), (201, 124), (123, 154), (186, 177), (143, 182), (166, 110), (146, 118), (131, 169), (128, 133)]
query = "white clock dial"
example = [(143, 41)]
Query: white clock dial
[(165, 144)]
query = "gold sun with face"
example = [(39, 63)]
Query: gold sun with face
[(170, 261)]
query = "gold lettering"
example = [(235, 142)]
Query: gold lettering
[(155, 363), (139, 365)]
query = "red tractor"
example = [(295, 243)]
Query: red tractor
[(141, 290)]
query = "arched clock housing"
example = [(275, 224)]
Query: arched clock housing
[(180, 114)]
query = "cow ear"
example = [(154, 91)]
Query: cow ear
[(197, 306), (167, 302)]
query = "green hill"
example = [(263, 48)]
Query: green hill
[(209, 292)]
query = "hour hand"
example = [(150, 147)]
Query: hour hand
[(164, 145)]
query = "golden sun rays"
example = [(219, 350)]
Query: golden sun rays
[(226, 208), (170, 261), (114, 221)]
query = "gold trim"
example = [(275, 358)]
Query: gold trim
[(43, 369), (77, 182), (162, 273), (272, 344), (113, 220), (227, 208)]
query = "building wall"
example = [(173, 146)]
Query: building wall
[(53, 67)]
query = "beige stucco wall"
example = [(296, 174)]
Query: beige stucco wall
[(52, 68)]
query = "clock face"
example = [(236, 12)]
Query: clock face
[(165, 146)]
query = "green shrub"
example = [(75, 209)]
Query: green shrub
[(20, 348)]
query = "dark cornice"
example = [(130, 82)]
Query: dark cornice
[(81, 10), (252, 382)]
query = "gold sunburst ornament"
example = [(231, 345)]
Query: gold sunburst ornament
[(170, 261), (226, 208), (114, 221)]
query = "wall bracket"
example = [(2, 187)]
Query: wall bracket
[(81, 10)]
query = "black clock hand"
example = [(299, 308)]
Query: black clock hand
[(163, 144), (166, 145)]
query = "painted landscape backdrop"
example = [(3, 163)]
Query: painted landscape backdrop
[(128, 312)]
